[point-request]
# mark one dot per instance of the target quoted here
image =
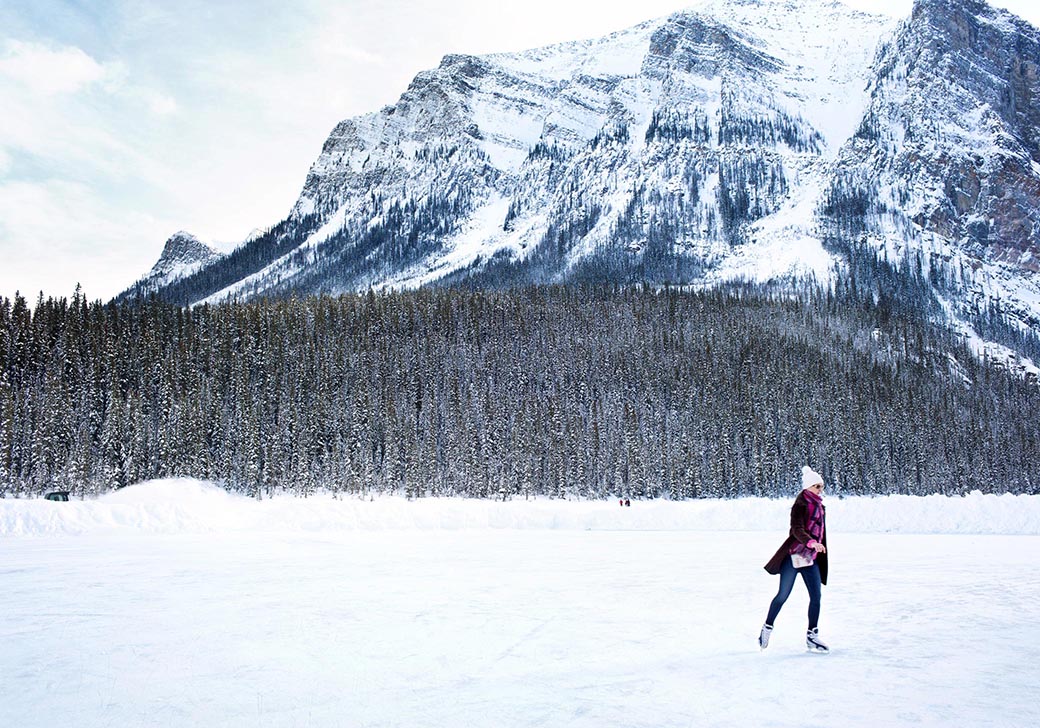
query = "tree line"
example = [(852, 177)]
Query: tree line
[(579, 391)]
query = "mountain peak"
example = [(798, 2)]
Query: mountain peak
[(762, 140), (959, 17), (182, 255), (183, 248)]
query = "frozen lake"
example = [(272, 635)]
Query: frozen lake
[(509, 627)]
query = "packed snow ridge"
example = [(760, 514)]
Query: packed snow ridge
[(192, 506)]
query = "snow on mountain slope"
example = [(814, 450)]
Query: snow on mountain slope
[(826, 49), (654, 146), (946, 159), (736, 140)]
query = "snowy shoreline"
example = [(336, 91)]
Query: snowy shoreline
[(191, 506)]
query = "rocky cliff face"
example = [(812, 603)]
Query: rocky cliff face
[(946, 160), (182, 255), (738, 140)]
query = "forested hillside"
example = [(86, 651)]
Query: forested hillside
[(578, 392)]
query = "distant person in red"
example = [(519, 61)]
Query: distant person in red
[(804, 552)]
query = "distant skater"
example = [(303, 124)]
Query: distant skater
[(804, 552)]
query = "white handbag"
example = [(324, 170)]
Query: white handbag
[(800, 562)]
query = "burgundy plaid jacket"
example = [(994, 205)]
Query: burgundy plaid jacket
[(799, 535)]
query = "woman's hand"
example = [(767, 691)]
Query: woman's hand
[(819, 547)]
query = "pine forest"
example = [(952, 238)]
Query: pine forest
[(565, 392)]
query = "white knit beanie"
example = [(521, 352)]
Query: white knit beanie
[(810, 477)]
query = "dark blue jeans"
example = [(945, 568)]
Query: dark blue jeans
[(811, 577)]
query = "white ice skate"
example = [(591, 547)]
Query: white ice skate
[(764, 635), (813, 642)]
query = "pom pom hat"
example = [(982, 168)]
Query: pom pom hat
[(810, 477)]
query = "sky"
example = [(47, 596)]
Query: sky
[(125, 121)]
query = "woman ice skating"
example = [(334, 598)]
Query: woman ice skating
[(804, 552)]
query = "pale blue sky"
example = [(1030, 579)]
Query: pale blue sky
[(123, 121)]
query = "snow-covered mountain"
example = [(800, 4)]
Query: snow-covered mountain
[(945, 164), (739, 139), (182, 255)]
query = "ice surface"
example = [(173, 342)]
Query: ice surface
[(180, 605)]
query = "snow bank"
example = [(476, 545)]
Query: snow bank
[(191, 506)]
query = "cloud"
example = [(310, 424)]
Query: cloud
[(57, 233), (50, 71), (358, 55), (68, 70), (68, 116), (158, 103), (57, 133)]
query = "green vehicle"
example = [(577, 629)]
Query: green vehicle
[(58, 495)]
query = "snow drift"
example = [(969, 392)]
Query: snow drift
[(191, 506)]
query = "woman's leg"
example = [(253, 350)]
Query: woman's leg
[(787, 573), (811, 577)]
